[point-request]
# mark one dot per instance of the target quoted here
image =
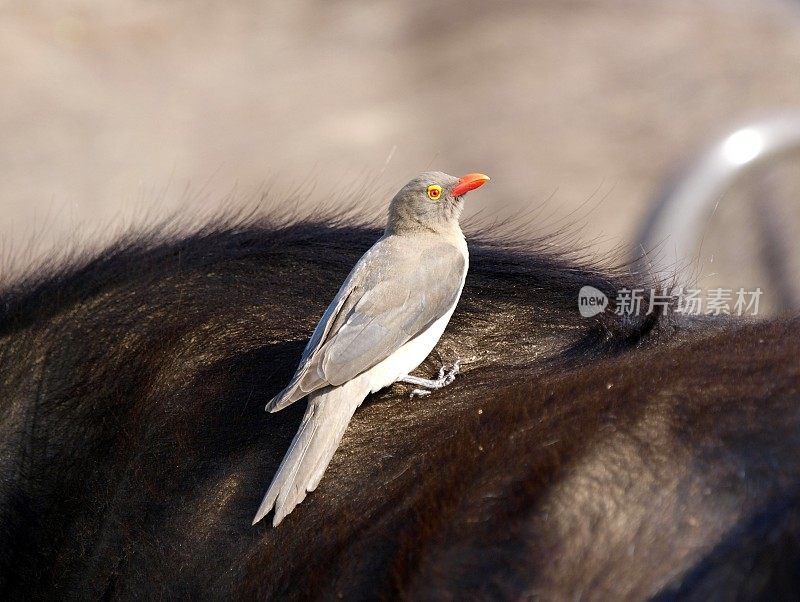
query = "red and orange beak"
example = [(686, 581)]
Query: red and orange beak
[(471, 181)]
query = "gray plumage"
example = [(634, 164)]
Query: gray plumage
[(396, 291), (383, 322)]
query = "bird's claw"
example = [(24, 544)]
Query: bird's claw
[(444, 378), (451, 375)]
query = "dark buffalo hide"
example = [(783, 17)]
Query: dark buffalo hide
[(614, 457)]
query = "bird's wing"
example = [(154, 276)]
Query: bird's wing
[(394, 293), (393, 310), (345, 298)]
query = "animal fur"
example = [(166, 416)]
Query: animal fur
[(611, 457)]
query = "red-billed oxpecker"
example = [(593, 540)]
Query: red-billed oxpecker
[(384, 321)]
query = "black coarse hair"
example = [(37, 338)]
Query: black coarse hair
[(617, 456)]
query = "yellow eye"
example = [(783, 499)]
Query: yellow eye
[(434, 192)]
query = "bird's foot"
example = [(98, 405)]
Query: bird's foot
[(444, 378)]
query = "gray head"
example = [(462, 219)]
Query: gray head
[(431, 201)]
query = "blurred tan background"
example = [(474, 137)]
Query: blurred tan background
[(114, 113)]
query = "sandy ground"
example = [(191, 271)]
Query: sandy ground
[(112, 114)]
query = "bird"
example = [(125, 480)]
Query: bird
[(383, 322)]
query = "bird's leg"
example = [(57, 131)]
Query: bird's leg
[(444, 378)]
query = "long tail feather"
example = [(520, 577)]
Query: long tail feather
[(327, 416)]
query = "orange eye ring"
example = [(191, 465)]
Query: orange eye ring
[(434, 192)]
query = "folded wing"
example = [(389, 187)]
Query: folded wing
[(394, 293)]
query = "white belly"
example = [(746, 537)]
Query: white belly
[(409, 356)]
